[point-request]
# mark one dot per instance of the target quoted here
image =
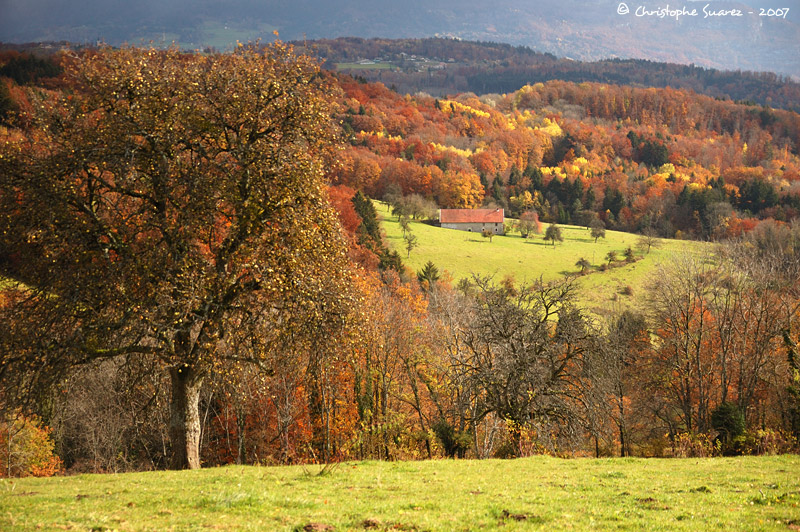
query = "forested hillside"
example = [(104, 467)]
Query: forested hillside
[(449, 66), (193, 272), (662, 160)]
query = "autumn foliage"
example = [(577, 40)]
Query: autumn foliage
[(205, 223), (663, 159)]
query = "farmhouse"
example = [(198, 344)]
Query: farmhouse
[(475, 220)]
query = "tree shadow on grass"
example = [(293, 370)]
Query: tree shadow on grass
[(541, 243)]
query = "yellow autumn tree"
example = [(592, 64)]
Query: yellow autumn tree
[(459, 189)]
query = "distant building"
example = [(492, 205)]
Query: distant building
[(474, 220)]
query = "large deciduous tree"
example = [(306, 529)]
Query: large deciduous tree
[(170, 207)]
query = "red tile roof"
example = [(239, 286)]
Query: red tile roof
[(470, 216)]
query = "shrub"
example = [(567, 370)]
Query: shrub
[(693, 445), (521, 441), (454, 442), (629, 255), (26, 449), (506, 450), (655, 447), (765, 441)]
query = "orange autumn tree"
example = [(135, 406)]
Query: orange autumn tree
[(172, 207), (391, 361)]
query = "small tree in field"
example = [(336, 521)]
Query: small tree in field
[(487, 233), (405, 224), (553, 233), (583, 264), (629, 254), (411, 242), (529, 224), (598, 229), (647, 240)]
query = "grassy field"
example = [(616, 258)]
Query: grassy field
[(462, 253), (538, 493), (220, 35), (358, 66), (224, 36)]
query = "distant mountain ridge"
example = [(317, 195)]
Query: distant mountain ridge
[(578, 29), (440, 67)]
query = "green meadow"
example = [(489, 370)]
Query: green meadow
[(538, 493), (463, 254)]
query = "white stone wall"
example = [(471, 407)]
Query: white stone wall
[(497, 228)]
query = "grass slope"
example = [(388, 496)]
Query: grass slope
[(538, 493), (462, 254)]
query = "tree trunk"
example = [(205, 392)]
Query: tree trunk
[(241, 432), (184, 418), (316, 409)]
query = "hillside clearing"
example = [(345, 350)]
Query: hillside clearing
[(463, 254)]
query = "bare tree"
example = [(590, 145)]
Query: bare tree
[(524, 351), (683, 360), (720, 321), (627, 338), (648, 239), (404, 222)]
